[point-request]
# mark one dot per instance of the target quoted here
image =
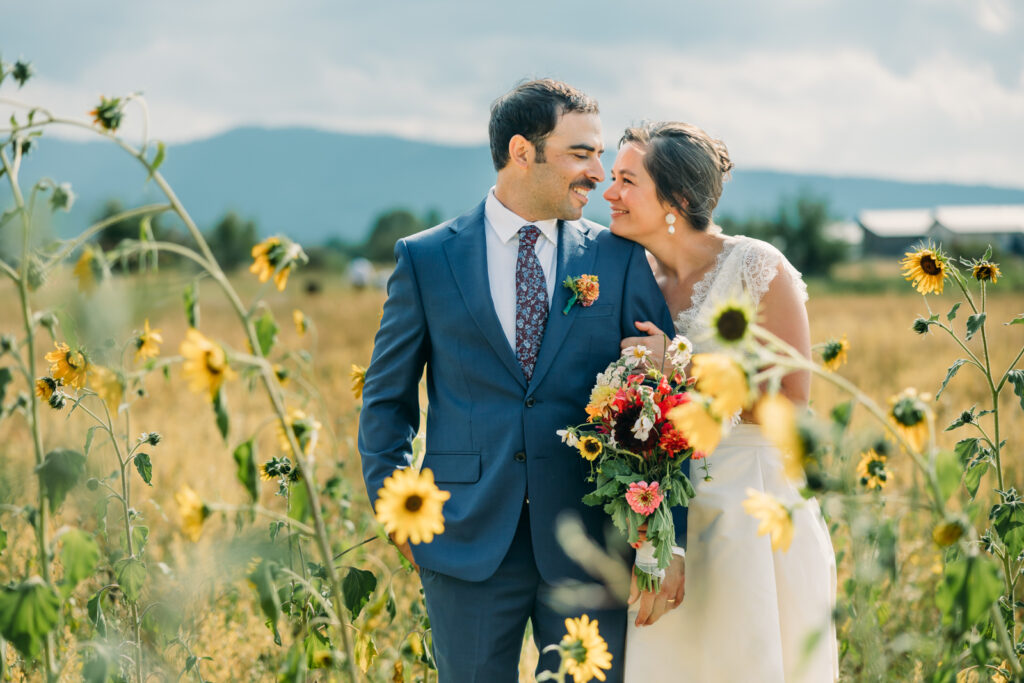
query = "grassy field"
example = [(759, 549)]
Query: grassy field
[(885, 356)]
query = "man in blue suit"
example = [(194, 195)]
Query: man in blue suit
[(478, 301)]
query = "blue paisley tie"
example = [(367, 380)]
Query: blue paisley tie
[(531, 301)]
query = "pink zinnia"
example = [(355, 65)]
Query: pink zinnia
[(644, 498)]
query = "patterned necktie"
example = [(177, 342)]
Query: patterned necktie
[(531, 300)]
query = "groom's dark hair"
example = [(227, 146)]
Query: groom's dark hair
[(531, 109)]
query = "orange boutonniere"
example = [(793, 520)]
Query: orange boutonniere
[(584, 291)]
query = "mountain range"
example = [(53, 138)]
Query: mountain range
[(315, 185)]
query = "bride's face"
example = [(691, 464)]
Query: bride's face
[(636, 211)]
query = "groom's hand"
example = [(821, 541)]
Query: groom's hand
[(655, 341), (654, 605)]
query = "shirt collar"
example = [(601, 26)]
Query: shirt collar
[(506, 223)]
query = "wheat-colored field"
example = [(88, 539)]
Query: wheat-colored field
[(885, 356)]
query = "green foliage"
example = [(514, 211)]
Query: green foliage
[(145, 467), (969, 588), (80, 555), (388, 229), (798, 230), (356, 588), (59, 472), (231, 240), (248, 476), (28, 611), (131, 576), (266, 331), (220, 409)]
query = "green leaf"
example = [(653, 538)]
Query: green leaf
[(973, 476), (1019, 320), (220, 409), (298, 503), (3, 540), (191, 296), (947, 471), (974, 323), (131, 576), (28, 612), (161, 151), (356, 589), (95, 610), (1008, 521), (966, 449), (59, 472), (266, 332), (1016, 378), (97, 668), (145, 467), (6, 377), (140, 536), (89, 434), (949, 375), (270, 601), (952, 312), (841, 414), (245, 458), (969, 588), (80, 555)]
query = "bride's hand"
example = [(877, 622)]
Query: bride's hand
[(655, 340), (654, 605)]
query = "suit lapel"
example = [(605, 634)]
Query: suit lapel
[(574, 259), (466, 251)]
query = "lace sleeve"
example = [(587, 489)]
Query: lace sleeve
[(760, 265)]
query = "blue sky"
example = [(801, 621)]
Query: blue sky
[(910, 89)]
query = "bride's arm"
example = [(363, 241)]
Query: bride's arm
[(784, 314)]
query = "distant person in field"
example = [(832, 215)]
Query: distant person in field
[(753, 609), (477, 302)]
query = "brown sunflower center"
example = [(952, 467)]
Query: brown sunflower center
[(732, 325), (984, 273), (413, 503), (930, 265), (592, 447)]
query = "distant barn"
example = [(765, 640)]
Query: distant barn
[(890, 232)]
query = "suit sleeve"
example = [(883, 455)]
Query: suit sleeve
[(390, 415), (642, 300)]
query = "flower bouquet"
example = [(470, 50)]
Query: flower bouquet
[(635, 452)]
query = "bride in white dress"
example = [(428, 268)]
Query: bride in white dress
[(748, 613)]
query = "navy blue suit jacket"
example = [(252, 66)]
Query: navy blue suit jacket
[(490, 436)]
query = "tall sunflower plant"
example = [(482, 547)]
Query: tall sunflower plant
[(635, 452), (977, 594), (304, 570)]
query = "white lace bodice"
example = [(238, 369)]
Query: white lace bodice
[(744, 267)]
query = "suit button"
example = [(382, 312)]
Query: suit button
[(520, 456), (530, 402)]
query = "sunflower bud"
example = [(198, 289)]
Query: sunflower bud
[(152, 438), (21, 72), (7, 344), (58, 400), (62, 197), (967, 417), (108, 113), (920, 326)]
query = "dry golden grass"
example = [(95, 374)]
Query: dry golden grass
[(885, 357)]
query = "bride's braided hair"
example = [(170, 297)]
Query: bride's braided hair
[(688, 166)]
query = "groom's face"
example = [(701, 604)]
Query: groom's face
[(559, 185)]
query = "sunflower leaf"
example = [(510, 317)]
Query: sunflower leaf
[(965, 418), (1016, 378), (966, 449), (947, 472), (952, 312), (220, 408), (988, 253), (94, 608), (266, 332), (6, 377), (145, 467), (161, 151), (356, 589), (59, 472), (1008, 521), (28, 611), (79, 555), (245, 458), (973, 476), (131, 576), (841, 414), (969, 588), (949, 375), (974, 323), (191, 299), (1019, 320)]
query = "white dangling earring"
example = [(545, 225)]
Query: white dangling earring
[(670, 218)]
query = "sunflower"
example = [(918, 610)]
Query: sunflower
[(926, 268), (193, 512), (301, 322), (88, 270), (947, 533), (69, 366), (206, 364), (833, 354), (147, 343), (723, 380), (275, 257), (909, 412), (601, 398), (583, 651), (986, 271), (108, 113), (730, 321), (871, 470), (774, 517), (358, 375), (304, 428), (45, 386), (590, 447), (702, 430), (409, 506), (776, 415), (107, 385)]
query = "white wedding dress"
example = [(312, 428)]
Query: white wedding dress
[(750, 614)]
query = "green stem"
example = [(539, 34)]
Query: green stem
[(73, 244), (30, 354)]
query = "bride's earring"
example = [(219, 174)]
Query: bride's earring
[(670, 218)]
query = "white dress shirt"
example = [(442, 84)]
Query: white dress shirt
[(502, 230)]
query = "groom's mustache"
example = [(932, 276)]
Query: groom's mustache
[(587, 185)]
